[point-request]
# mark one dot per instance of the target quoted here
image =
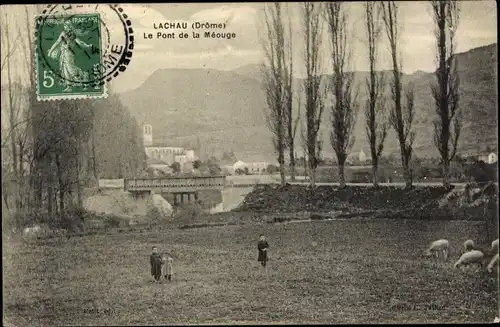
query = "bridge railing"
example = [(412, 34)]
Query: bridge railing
[(138, 184)]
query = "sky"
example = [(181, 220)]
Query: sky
[(478, 27)]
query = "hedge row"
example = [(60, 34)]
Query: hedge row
[(292, 198)]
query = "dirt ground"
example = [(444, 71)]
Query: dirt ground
[(319, 272)]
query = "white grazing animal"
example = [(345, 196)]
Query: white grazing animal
[(437, 247), (492, 263), (472, 257), (494, 245), (469, 245)]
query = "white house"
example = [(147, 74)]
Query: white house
[(483, 157), (492, 158), (190, 155), (257, 167), (181, 159), (255, 163), (239, 165), (489, 157)]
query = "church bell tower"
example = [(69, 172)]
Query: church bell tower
[(147, 135)]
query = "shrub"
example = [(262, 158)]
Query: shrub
[(17, 221), (281, 219), (326, 198), (113, 221), (272, 169), (187, 213), (69, 219), (95, 224), (156, 217)]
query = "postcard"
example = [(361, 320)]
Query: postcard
[(249, 163)]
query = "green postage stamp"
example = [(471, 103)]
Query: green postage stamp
[(69, 57), (79, 49)]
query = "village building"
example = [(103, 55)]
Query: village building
[(492, 158), (486, 156), (254, 165), (163, 154), (239, 166)]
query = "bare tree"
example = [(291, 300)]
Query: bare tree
[(401, 116), (35, 111), (448, 123), (303, 144), (12, 104), (95, 168), (275, 80), (344, 105), (7, 49), (376, 120), (314, 106), (290, 122)]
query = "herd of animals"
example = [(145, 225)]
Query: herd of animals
[(470, 257)]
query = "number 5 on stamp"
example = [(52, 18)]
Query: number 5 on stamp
[(69, 57)]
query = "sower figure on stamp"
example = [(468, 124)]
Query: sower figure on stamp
[(156, 262), (262, 246), (63, 50)]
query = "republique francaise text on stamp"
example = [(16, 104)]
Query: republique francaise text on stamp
[(79, 48)]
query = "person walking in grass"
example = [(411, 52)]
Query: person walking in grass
[(262, 246), (156, 263)]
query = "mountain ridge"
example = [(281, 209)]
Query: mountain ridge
[(224, 110)]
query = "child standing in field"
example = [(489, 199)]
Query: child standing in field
[(156, 262), (262, 246), (168, 268)]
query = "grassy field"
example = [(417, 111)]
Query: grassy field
[(319, 272)]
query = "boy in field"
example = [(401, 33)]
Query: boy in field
[(262, 246), (156, 263), (168, 268)]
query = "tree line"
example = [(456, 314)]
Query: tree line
[(53, 150), (336, 94)]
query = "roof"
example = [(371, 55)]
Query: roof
[(152, 161), (253, 158), (165, 145)]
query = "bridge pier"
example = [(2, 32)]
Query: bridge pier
[(185, 197)]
